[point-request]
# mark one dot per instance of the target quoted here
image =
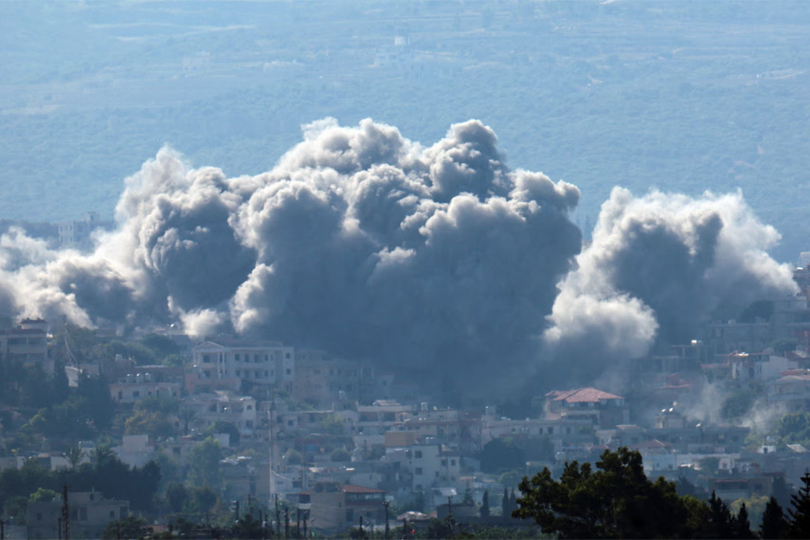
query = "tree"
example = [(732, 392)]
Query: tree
[(186, 416), (773, 521), (468, 497), (502, 454), (719, 522), (176, 496), (340, 454), (742, 527), (155, 423), (485, 505), (203, 464), (129, 527), (74, 455), (505, 512), (43, 495), (221, 426), (616, 500), (799, 521)]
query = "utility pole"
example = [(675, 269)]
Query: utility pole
[(2, 530), (66, 513), (387, 527), (286, 522), (59, 527), (362, 535), (278, 519), (306, 518)]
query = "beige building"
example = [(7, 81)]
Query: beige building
[(322, 380), (335, 507), (252, 366), (90, 514), (27, 343)]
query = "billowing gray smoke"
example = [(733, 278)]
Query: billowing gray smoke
[(359, 241), (373, 247), (658, 265)]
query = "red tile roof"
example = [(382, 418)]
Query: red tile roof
[(581, 395)]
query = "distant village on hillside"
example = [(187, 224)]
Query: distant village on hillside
[(337, 442)]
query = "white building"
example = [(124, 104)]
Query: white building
[(252, 365)]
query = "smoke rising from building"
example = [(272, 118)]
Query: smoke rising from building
[(371, 246)]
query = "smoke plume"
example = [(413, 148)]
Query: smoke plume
[(658, 266), (437, 259)]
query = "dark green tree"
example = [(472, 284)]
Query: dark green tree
[(719, 522), (131, 527), (220, 426), (773, 521), (176, 496), (203, 464), (742, 525), (505, 512), (799, 520), (616, 500), (502, 454), (485, 505)]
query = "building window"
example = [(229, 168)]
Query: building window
[(236, 357), (418, 454), (418, 471), (255, 358), (289, 371), (237, 372), (266, 373), (136, 393)]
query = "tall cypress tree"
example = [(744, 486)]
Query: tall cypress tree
[(773, 521), (505, 511), (799, 522), (485, 505), (742, 525)]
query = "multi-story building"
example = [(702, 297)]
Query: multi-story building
[(77, 234), (226, 407), (90, 514), (26, 343), (255, 367), (321, 380), (602, 408), (336, 507)]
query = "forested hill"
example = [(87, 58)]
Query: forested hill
[(679, 95)]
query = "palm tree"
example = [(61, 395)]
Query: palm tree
[(74, 456)]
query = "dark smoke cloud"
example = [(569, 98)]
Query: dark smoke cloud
[(374, 247), (657, 267)]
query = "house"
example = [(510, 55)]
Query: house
[(791, 390), (336, 507), (90, 514), (135, 387), (602, 408), (763, 366)]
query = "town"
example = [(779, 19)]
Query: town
[(162, 428)]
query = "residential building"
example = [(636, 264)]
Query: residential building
[(602, 408), (321, 380), (255, 367), (224, 406), (26, 343), (90, 514), (135, 387), (336, 507)]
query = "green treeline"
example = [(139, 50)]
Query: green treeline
[(105, 473), (617, 500)]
